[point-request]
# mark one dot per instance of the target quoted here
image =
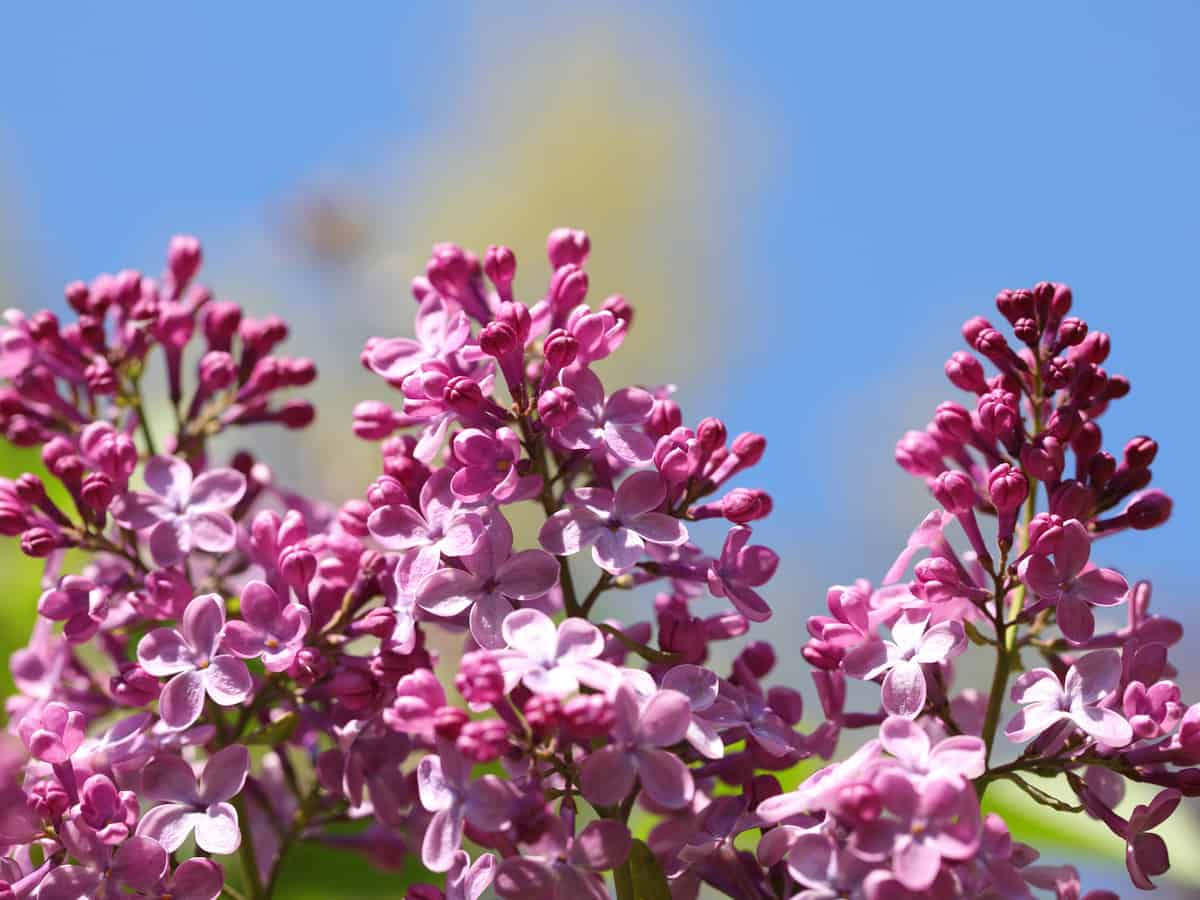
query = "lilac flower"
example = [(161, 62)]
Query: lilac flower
[(108, 813), (701, 687), (189, 804), (102, 871), (419, 695), (192, 655), (493, 577), (54, 733), (961, 755), (559, 866), (1145, 853), (441, 330), (180, 512), (553, 662), (1046, 701), (938, 819), (269, 628), (447, 791), (607, 426), (1065, 582), (441, 528), (745, 707), (194, 879), (616, 526), (468, 880), (739, 570), (638, 734), (913, 644), (490, 467), (80, 603), (826, 870)]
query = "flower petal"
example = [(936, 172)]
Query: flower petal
[(228, 681), (533, 633), (665, 779), (212, 531), (217, 829), (217, 490), (607, 775), (182, 700), (639, 493), (169, 825), (904, 689)]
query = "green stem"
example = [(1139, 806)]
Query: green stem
[(246, 852), (647, 653), (308, 807)]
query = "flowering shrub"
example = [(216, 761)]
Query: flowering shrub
[(240, 668)]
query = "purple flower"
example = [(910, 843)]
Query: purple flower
[(78, 602), (194, 879), (441, 329), (743, 706), (553, 662), (468, 880), (638, 734), (961, 755), (1046, 701), (490, 467), (616, 526), (493, 577), (1146, 853), (109, 813), (419, 695), (739, 570), (269, 628), (934, 820), (54, 733), (607, 426), (913, 645), (441, 528), (701, 687), (559, 866), (192, 656), (189, 804), (139, 863), (446, 790), (180, 512), (1065, 582)]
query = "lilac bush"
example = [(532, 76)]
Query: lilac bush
[(223, 669)]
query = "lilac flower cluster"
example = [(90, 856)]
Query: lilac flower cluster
[(209, 611)]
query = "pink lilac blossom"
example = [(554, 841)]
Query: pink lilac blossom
[(318, 632)]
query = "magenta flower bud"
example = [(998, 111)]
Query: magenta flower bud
[(557, 407), (449, 270), (1064, 424), (374, 420), (53, 733), (543, 713), (184, 255), (1027, 331), (1045, 532), (500, 266), (379, 622), (955, 491), (1101, 469), (677, 455), (966, 372), (681, 633), (448, 722), (1059, 373), (758, 657), (711, 434), (39, 542), (499, 339), (1060, 302), (918, 454), (424, 892), (568, 287), (296, 414), (76, 294), (974, 327), (387, 491), (1072, 500), (560, 349), (101, 379), (217, 371), (309, 667), (1140, 452), (998, 413), (1118, 387), (1093, 349), (463, 395), (787, 703), (483, 741), (1015, 305), (97, 491), (479, 678), (991, 343), (1008, 487), (665, 417), (1150, 510), (1071, 332), (619, 307), (220, 322), (567, 246), (953, 419), (726, 625), (352, 517), (859, 803), (1043, 458), (298, 372), (743, 505), (133, 685), (588, 716), (749, 448), (13, 518), (298, 566)]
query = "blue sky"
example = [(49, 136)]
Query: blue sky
[(908, 161)]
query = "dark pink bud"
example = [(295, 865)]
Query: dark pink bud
[(619, 307), (183, 258), (749, 448), (1071, 332), (588, 716), (39, 542), (1118, 387), (560, 349), (859, 803), (543, 713), (133, 686), (787, 703), (759, 658), (557, 406), (1060, 302), (1140, 452), (991, 343), (101, 379), (448, 722), (77, 296), (677, 455), (500, 266), (220, 323), (743, 505), (217, 371), (373, 420), (1093, 349), (379, 622), (919, 454), (13, 519), (483, 741), (1059, 373), (1027, 331), (1015, 305), (352, 517), (1007, 487), (954, 420), (296, 414), (1150, 510), (449, 270), (955, 491), (974, 327), (998, 413), (683, 634), (298, 566), (309, 667), (1071, 500), (568, 287), (463, 395), (479, 678), (567, 246), (665, 416), (711, 434), (966, 372), (387, 491), (1101, 469), (97, 491), (1043, 458), (1064, 424), (499, 339)]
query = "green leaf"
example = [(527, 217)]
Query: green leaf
[(276, 733), (977, 637), (649, 882)]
